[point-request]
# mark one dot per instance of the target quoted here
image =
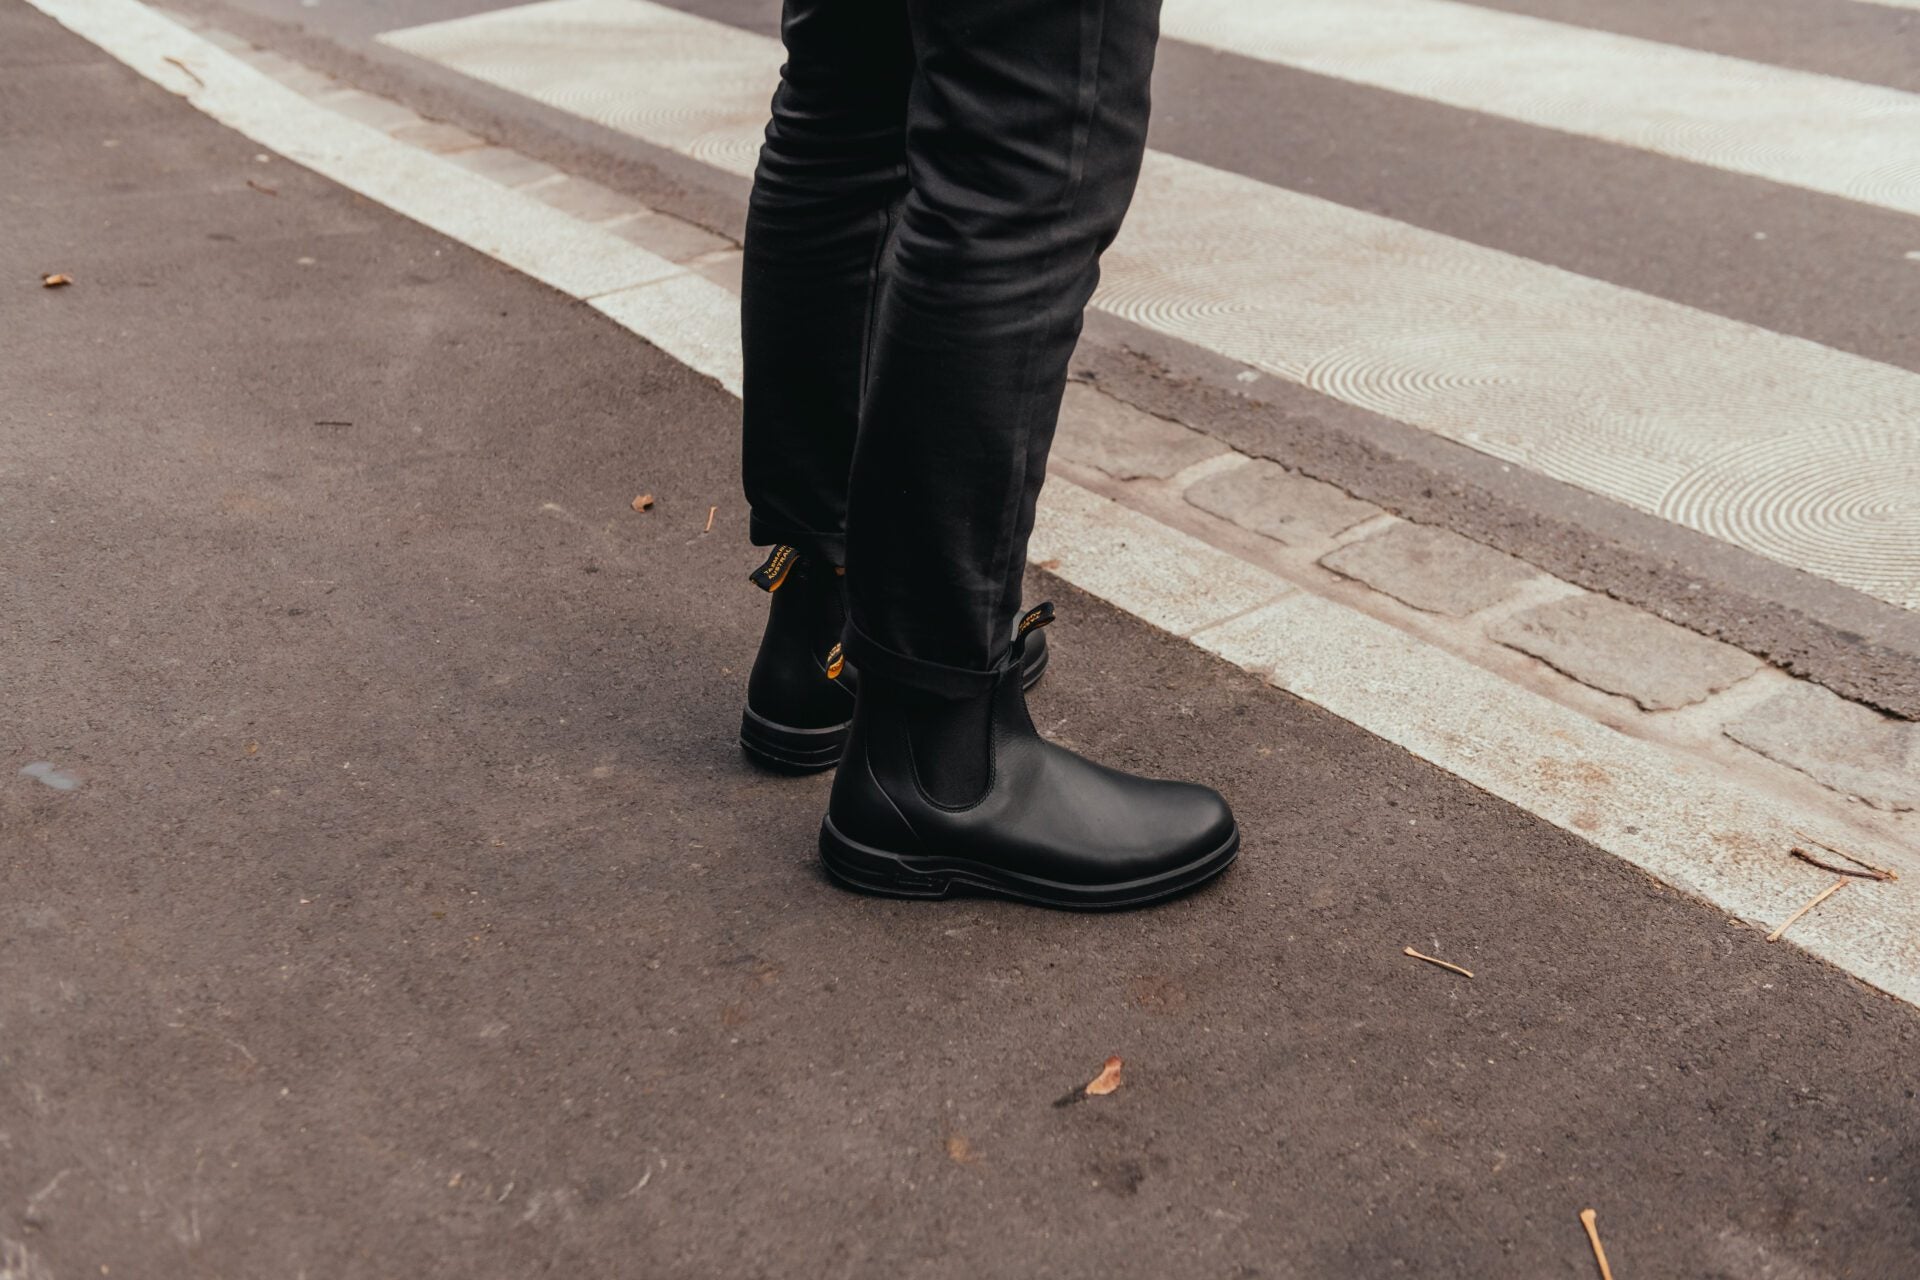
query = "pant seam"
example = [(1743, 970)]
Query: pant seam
[(1092, 42)]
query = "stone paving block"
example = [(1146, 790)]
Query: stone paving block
[(508, 168), (1840, 744), (674, 239), (438, 137), (1615, 647), (586, 200), (381, 113), (1110, 435), (723, 269), (1276, 503), (1431, 569), (295, 75), (226, 40)]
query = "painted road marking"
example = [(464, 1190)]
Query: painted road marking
[(1821, 133), (1674, 818), (705, 93), (1800, 453), (1685, 822), (575, 257)]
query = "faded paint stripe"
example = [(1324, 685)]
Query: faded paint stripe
[(704, 94)]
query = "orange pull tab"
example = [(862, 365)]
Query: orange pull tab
[(1038, 616), (770, 575), (836, 662)]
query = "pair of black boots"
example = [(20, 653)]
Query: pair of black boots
[(935, 794)]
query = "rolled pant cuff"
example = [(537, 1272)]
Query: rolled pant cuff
[(830, 547), (870, 658)]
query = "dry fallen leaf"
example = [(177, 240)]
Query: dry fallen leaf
[(960, 1151), (1107, 1081), (643, 503), (55, 280)]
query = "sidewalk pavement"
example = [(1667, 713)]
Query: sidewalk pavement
[(382, 894)]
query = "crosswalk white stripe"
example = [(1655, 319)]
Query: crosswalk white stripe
[(1804, 454), (1713, 836), (674, 79), (1858, 141), (1702, 420)]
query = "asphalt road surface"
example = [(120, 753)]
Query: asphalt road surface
[(396, 903)]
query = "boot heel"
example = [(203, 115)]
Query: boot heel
[(861, 867), (784, 749)]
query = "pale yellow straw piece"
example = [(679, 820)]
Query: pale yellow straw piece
[(1819, 898), (1587, 1217), (1465, 973)]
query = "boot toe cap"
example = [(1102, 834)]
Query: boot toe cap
[(1179, 823)]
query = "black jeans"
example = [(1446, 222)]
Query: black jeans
[(938, 182)]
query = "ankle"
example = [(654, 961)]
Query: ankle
[(809, 604), (947, 741)]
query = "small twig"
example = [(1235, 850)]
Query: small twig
[(1861, 873), (1418, 955), (33, 1201), (189, 70), (265, 191), (710, 513), (1878, 873), (1818, 898), (1587, 1217)]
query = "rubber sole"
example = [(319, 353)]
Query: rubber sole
[(785, 749), (896, 875), (782, 748)]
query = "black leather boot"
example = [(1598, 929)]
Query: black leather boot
[(935, 795), (800, 696), (797, 713)]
